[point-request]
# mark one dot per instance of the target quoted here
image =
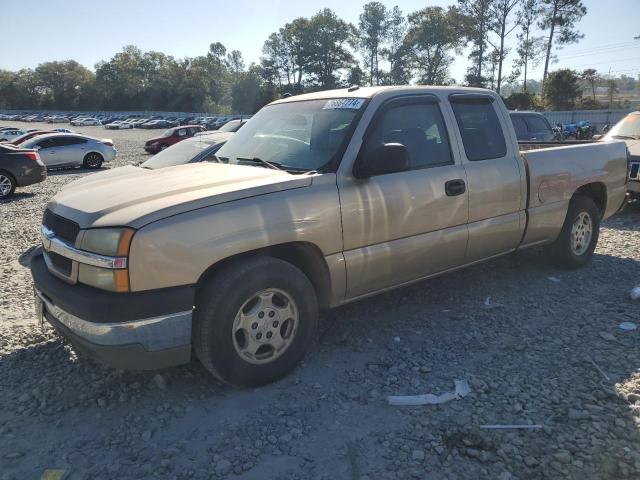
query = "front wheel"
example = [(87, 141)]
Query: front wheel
[(254, 321), (579, 235), (93, 160)]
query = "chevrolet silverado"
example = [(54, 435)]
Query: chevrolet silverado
[(320, 199)]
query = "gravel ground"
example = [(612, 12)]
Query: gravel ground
[(545, 350)]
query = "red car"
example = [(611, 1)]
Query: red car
[(172, 136), (23, 138)]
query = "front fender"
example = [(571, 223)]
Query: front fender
[(179, 249)]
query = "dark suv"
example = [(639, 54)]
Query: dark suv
[(531, 127)]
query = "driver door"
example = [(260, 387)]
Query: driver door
[(404, 226)]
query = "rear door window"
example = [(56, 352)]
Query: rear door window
[(537, 124), (480, 128)]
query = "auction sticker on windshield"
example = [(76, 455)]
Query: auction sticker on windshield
[(344, 103)]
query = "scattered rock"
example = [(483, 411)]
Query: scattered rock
[(223, 467), (160, 382), (417, 455), (609, 337)]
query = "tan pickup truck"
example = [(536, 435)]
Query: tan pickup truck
[(319, 200)]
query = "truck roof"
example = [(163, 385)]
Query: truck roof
[(370, 92)]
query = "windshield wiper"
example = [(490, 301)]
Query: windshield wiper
[(273, 165)]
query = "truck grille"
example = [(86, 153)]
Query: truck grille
[(64, 229), (63, 264), (633, 172)]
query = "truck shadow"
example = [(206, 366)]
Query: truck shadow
[(17, 197), (628, 219), (74, 171)]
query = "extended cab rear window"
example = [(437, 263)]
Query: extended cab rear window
[(479, 126)]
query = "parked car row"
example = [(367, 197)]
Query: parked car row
[(26, 156), (118, 122)]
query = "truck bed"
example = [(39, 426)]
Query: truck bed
[(551, 186)]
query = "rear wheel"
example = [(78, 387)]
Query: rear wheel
[(579, 235), (93, 160), (254, 321), (7, 184), (163, 146)]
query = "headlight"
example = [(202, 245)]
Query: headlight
[(112, 242)]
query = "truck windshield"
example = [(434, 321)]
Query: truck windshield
[(628, 127), (296, 136)]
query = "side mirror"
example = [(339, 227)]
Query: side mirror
[(597, 137), (387, 158)]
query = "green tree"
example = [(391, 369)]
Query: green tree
[(64, 84), (19, 89), (520, 101), (479, 11), (372, 31), (395, 52), (235, 62), (329, 41), (287, 55), (297, 41), (562, 89), (433, 35), (501, 11), (559, 17), (591, 77), (530, 47)]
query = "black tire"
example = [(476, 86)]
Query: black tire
[(561, 252), (163, 146), (92, 160), (220, 299), (7, 184)]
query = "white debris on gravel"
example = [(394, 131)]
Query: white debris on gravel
[(462, 389), (628, 326), (526, 361)]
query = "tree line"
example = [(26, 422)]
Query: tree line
[(386, 47)]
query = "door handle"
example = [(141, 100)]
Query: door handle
[(454, 188)]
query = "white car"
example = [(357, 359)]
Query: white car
[(118, 125), (85, 122), (59, 150), (9, 135)]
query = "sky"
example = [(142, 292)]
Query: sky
[(37, 31)]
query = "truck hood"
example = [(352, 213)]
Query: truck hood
[(634, 147), (132, 196)]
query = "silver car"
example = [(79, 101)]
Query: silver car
[(72, 150)]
